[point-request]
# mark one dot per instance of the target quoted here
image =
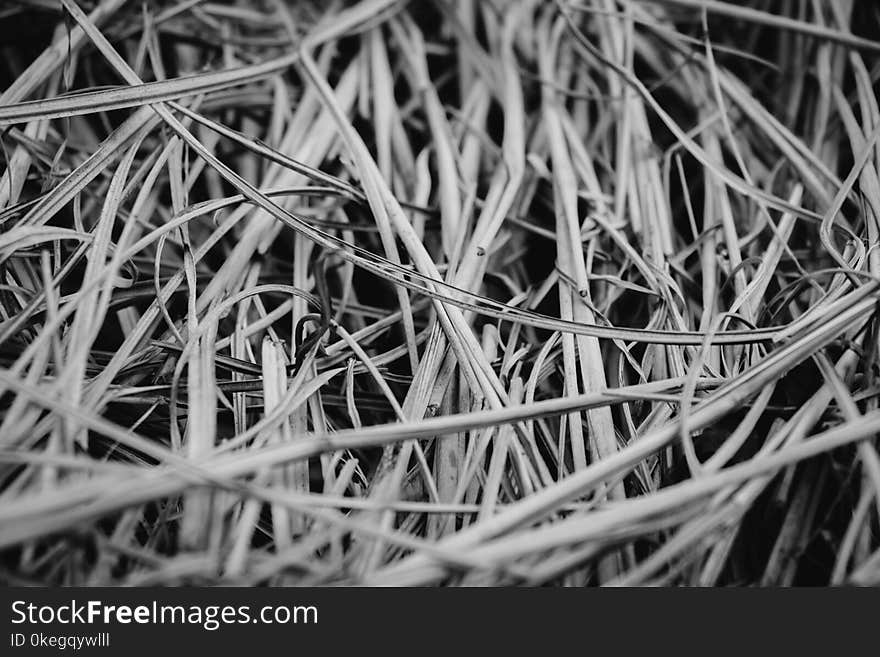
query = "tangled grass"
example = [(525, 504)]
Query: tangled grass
[(464, 293)]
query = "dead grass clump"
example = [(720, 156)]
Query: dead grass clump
[(439, 293)]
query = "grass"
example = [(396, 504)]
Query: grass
[(439, 293)]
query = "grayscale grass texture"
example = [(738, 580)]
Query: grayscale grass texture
[(497, 292)]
